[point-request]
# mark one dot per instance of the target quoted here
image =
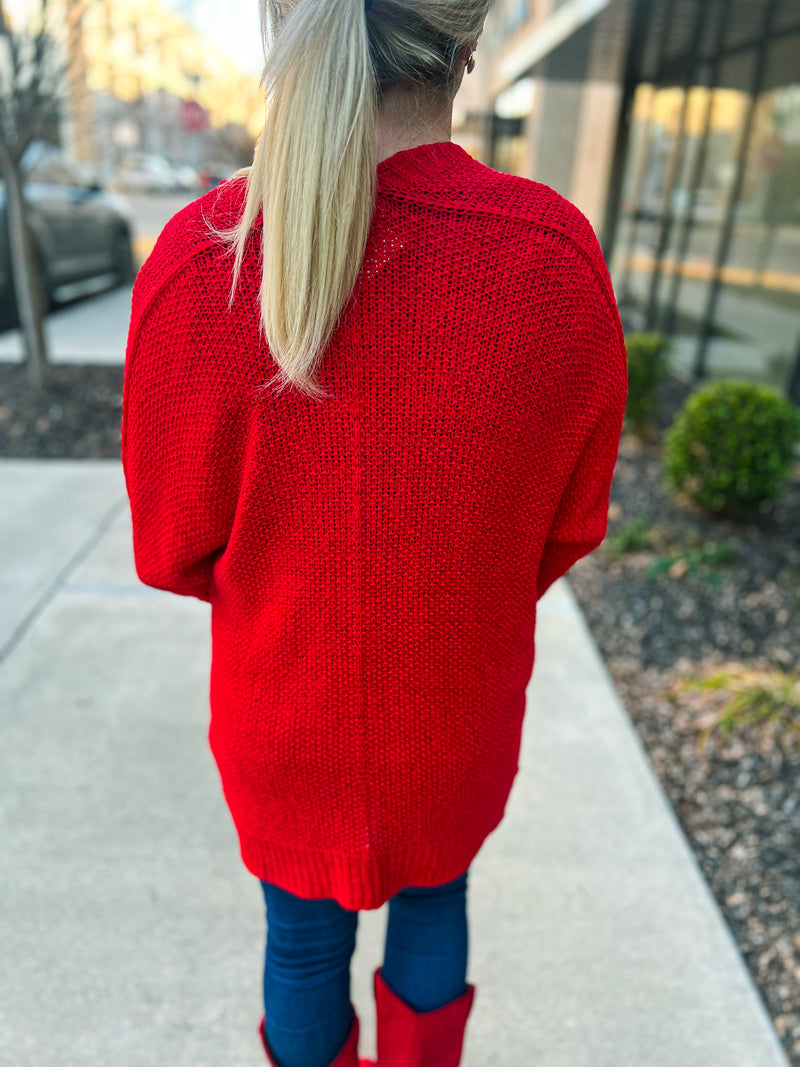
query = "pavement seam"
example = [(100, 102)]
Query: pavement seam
[(58, 582)]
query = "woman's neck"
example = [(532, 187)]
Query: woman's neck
[(402, 125)]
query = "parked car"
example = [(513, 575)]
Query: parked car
[(140, 172), (186, 177), (80, 230)]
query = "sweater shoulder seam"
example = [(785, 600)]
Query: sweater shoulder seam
[(170, 275), (547, 227), (480, 210), (142, 314)]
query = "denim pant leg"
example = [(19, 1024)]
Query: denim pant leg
[(425, 960), (310, 943)]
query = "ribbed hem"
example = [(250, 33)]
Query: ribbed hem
[(359, 882)]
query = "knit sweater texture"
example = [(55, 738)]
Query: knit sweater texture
[(373, 560)]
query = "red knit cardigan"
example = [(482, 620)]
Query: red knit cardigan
[(373, 561)]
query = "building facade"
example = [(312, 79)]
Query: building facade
[(674, 125), (133, 70)]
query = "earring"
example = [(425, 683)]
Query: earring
[(470, 63)]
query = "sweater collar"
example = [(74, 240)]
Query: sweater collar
[(411, 168), (420, 165)]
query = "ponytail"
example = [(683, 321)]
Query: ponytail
[(314, 167)]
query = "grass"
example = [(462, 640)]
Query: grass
[(631, 538), (699, 561), (757, 696), (693, 556)]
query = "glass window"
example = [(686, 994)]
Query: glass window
[(756, 322), (745, 23), (47, 169), (759, 302), (710, 31), (681, 32), (657, 21), (787, 16), (633, 239), (684, 198), (654, 204)]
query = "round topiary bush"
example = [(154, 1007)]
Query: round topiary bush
[(731, 447), (647, 369)]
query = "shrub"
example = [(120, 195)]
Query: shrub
[(647, 369), (731, 447)]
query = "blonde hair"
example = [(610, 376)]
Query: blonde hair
[(313, 175)]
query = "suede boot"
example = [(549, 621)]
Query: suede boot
[(347, 1056), (407, 1038)]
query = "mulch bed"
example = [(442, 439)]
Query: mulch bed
[(738, 796), (78, 419)]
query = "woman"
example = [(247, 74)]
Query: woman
[(373, 534)]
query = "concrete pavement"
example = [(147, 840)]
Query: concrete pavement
[(132, 935), (90, 330)]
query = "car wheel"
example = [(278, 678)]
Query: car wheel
[(122, 258)]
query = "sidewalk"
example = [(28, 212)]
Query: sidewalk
[(133, 936), (94, 330)]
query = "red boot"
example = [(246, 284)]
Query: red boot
[(346, 1057), (407, 1038)]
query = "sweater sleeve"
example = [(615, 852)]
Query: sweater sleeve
[(581, 518), (182, 437)]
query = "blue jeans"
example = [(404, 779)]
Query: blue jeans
[(307, 967)]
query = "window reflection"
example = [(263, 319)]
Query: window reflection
[(681, 175)]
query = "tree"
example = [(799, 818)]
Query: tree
[(31, 77)]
